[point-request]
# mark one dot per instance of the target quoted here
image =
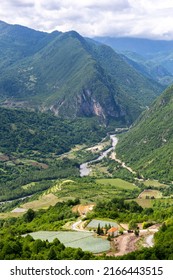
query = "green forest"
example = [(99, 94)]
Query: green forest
[(30, 145), (151, 137)]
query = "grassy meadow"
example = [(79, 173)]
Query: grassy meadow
[(117, 183)]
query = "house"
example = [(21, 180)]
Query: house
[(113, 231)]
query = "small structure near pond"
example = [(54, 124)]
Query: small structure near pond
[(113, 232)]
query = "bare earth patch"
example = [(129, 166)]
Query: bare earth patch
[(19, 210), (125, 243), (42, 165), (4, 157), (10, 215), (150, 194), (129, 242), (83, 209)]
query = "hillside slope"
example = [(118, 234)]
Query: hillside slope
[(71, 76), (30, 145), (148, 146), (152, 56)]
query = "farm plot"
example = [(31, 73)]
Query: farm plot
[(144, 203), (117, 183), (150, 194), (154, 183), (42, 203), (84, 240), (94, 223)]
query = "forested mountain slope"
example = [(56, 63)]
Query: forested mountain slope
[(70, 75), (148, 146), (24, 132), (149, 56), (30, 145)]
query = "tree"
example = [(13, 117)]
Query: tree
[(29, 215), (99, 230), (136, 232), (52, 254), (132, 225)]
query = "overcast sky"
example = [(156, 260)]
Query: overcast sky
[(135, 18)]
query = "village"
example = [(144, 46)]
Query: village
[(123, 239)]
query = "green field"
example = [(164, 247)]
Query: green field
[(84, 240), (145, 203), (90, 190), (42, 203), (117, 183), (94, 223), (154, 183)]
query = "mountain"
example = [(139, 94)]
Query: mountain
[(148, 146), (154, 55), (150, 69), (71, 76), (18, 42), (144, 47)]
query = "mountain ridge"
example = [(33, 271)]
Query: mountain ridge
[(72, 77), (153, 55)]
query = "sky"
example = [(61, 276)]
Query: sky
[(151, 19)]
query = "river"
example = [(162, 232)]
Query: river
[(85, 169), (16, 199)]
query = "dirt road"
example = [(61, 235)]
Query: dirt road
[(125, 243), (128, 242), (113, 156)]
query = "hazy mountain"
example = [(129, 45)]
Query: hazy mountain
[(149, 69), (154, 55), (148, 146), (70, 75), (144, 47)]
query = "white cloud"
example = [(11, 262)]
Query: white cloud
[(141, 18)]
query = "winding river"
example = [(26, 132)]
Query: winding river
[(16, 199), (85, 169)]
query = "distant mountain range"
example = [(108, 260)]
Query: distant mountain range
[(148, 146), (70, 76), (152, 58)]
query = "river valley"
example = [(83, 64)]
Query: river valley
[(85, 168)]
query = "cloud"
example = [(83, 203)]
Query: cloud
[(140, 18), (18, 3)]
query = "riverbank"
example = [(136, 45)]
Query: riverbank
[(85, 168)]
